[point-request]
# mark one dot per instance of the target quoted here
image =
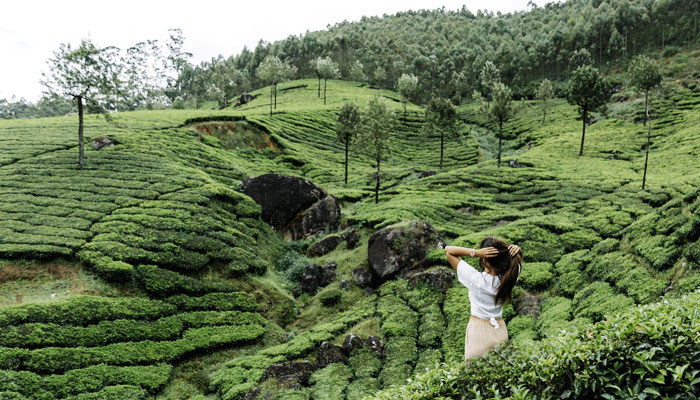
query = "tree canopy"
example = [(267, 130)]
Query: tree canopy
[(589, 91)]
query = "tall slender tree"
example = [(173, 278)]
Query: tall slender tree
[(357, 74), (346, 127), (644, 74), (407, 85), (590, 92), (89, 75), (441, 116), (274, 71), (377, 123), (501, 111), (545, 94), (328, 69)]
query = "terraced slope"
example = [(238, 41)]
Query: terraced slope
[(159, 215)]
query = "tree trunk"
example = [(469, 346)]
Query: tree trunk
[(442, 143), (319, 86), (583, 135), (544, 116), (646, 106), (646, 159), (196, 102), (404, 111), (500, 138), (81, 149), (271, 100), (347, 143), (325, 84), (275, 96), (662, 37), (376, 189)]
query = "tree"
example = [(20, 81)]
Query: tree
[(407, 85), (501, 111), (377, 123), (589, 91), (274, 71), (645, 75), (441, 116), (379, 75), (579, 58), (488, 78), (545, 93), (89, 75), (357, 74), (314, 67), (327, 69), (225, 81), (346, 127)]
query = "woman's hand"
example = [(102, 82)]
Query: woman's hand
[(486, 252), (514, 250)]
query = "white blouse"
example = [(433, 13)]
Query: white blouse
[(482, 292)]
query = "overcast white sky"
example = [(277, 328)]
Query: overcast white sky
[(30, 30)]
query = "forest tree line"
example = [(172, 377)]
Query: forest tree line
[(446, 50)]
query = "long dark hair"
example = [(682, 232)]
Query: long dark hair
[(506, 267)]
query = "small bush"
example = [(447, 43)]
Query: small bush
[(536, 275)]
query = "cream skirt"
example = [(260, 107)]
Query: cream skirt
[(481, 336)]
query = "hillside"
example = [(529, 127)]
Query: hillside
[(148, 274)]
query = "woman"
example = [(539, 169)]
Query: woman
[(488, 291)]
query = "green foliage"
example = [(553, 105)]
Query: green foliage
[(536, 275), (441, 116), (457, 312), (522, 327), (644, 73), (330, 382), (330, 296), (597, 300), (639, 361), (544, 95)]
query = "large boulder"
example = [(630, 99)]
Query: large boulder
[(101, 142), (282, 197), (291, 372), (441, 278), (402, 248), (322, 215), (375, 344), (329, 353), (364, 277), (310, 279), (352, 238), (352, 342), (324, 246), (292, 205), (328, 274)]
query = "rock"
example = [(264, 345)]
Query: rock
[(328, 274), (467, 210), (375, 344), (253, 393), (529, 304), (245, 98), (282, 198), (100, 142), (344, 284), (352, 239), (324, 246), (352, 342), (290, 372), (311, 279), (441, 278), (514, 164), (321, 216), (328, 354), (402, 248), (363, 277), (425, 174)]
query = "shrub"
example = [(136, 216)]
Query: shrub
[(570, 282), (330, 296), (428, 359), (579, 239), (597, 300), (642, 286), (457, 312), (214, 301), (162, 282), (397, 318), (554, 314), (522, 327), (329, 383), (432, 326), (364, 363), (610, 266), (536, 275), (582, 363), (361, 387)]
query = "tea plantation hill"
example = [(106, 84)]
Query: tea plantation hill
[(192, 295)]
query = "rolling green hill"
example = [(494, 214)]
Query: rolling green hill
[(148, 274)]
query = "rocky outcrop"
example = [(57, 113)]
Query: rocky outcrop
[(310, 279), (328, 274), (425, 174), (352, 239), (101, 142), (321, 216), (375, 344), (292, 372), (329, 353), (529, 304), (324, 246), (292, 205), (364, 277), (401, 249), (441, 278), (352, 342)]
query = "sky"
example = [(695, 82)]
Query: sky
[(31, 30)]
